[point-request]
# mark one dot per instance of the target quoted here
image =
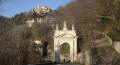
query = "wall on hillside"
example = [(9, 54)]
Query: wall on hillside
[(116, 45), (109, 39), (85, 57)]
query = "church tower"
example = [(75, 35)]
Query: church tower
[(38, 5)]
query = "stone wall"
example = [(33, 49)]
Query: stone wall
[(116, 45), (109, 39), (81, 58), (88, 57), (85, 57)]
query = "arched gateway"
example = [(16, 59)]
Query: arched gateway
[(65, 36)]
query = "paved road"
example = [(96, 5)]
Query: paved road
[(66, 64), (54, 64)]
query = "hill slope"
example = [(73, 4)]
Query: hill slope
[(17, 36), (2, 18)]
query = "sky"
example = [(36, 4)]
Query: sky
[(11, 7)]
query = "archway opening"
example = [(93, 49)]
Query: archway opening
[(45, 50), (65, 52)]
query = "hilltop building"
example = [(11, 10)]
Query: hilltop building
[(41, 9)]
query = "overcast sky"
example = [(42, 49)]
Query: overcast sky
[(11, 7)]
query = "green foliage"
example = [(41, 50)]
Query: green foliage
[(80, 13), (84, 25), (33, 34), (110, 16), (19, 18), (96, 56), (23, 17)]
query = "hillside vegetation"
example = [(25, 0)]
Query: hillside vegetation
[(86, 15)]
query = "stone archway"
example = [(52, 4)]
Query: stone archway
[(65, 36), (65, 52)]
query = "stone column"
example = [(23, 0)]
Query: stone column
[(71, 52), (56, 51), (75, 49)]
